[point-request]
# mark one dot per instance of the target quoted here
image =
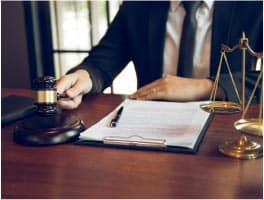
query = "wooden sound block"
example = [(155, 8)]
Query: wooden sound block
[(39, 130)]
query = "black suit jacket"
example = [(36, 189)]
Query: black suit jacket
[(138, 33)]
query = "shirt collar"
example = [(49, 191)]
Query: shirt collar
[(209, 4), (175, 4)]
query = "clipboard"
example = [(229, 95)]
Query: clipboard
[(137, 141), (147, 146)]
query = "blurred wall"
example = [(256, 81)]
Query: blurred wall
[(14, 54)]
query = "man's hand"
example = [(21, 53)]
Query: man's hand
[(74, 86), (175, 88)]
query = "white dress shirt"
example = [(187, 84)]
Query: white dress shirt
[(202, 49)]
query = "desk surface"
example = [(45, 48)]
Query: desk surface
[(73, 171)]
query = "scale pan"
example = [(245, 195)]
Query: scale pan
[(252, 126), (221, 107)]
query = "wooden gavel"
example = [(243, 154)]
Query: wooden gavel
[(47, 96), (48, 126)]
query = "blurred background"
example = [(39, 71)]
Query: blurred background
[(49, 37)]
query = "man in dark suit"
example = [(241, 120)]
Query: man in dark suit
[(138, 33)]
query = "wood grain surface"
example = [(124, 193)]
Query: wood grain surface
[(74, 171)]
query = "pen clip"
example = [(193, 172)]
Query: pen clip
[(134, 140)]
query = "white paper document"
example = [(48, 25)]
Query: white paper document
[(155, 122)]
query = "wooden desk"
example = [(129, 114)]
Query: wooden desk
[(72, 171)]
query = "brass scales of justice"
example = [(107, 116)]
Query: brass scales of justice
[(243, 148)]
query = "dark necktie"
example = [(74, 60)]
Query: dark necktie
[(186, 53)]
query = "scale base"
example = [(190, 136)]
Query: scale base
[(242, 149), (40, 130)]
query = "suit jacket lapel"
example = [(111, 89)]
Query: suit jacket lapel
[(157, 28), (221, 30)]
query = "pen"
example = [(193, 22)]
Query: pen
[(116, 118)]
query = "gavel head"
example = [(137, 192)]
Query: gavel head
[(46, 99)]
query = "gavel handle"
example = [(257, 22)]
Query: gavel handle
[(63, 97)]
